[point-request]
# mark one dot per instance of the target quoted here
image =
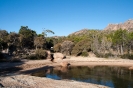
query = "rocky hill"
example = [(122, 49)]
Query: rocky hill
[(80, 32), (128, 25)]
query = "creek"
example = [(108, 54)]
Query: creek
[(112, 76)]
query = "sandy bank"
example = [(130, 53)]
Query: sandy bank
[(74, 61)]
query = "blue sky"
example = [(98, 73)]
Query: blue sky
[(63, 16)]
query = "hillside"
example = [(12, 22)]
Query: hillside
[(80, 32), (128, 25)]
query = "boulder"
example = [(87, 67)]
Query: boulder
[(59, 56), (65, 64), (56, 57), (49, 54)]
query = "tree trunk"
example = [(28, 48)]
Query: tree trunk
[(36, 47), (121, 50), (118, 50)]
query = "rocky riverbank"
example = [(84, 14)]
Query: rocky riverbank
[(25, 81), (27, 67)]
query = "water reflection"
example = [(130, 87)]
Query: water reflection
[(117, 77)]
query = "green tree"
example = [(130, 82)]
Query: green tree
[(119, 39), (27, 37), (3, 39), (81, 47)]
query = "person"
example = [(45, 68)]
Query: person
[(52, 57), (51, 50)]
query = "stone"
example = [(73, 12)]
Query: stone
[(128, 25), (65, 64)]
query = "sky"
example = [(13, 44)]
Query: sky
[(63, 16)]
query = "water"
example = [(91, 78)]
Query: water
[(116, 77)]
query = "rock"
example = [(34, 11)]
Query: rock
[(59, 56), (80, 32), (131, 68), (128, 25), (25, 81), (49, 54), (64, 64)]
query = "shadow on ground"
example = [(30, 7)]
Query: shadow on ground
[(29, 72), (9, 67)]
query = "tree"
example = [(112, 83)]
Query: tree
[(27, 36), (3, 39), (44, 33), (13, 38), (48, 41), (13, 42), (81, 47), (119, 39), (129, 42)]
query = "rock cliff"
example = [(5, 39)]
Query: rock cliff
[(128, 25)]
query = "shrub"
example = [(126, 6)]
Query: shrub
[(128, 56), (82, 46), (57, 47), (4, 57), (41, 54), (15, 59), (32, 57), (107, 55), (85, 54), (1, 55), (66, 47)]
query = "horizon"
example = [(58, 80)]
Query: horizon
[(63, 16)]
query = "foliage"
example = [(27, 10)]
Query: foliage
[(3, 39), (49, 43), (127, 56), (26, 37), (84, 53), (44, 33), (32, 57), (66, 47), (57, 47), (103, 43), (39, 42), (80, 47), (3, 57), (41, 54)]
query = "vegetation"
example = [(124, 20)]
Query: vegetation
[(101, 42)]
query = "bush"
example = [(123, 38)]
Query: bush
[(66, 47), (32, 57), (85, 54), (1, 55), (128, 56), (107, 55), (41, 54), (57, 47), (81, 47)]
